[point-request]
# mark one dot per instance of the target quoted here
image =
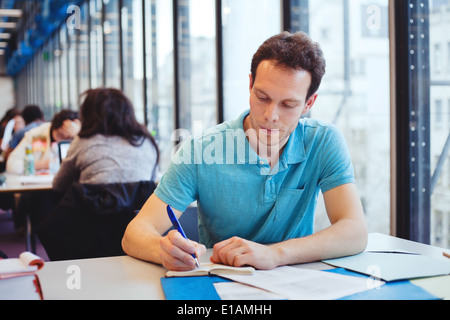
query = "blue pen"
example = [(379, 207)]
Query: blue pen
[(176, 224)]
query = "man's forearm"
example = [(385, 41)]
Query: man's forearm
[(141, 242), (344, 238)]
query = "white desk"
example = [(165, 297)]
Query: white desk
[(128, 278), (23, 184)]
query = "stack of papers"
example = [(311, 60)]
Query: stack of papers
[(42, 179), (393, 266), (298, 284)]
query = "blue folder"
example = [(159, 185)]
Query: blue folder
[(191, 288), (396, 290), (202, 288)]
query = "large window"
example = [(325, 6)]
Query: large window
[(73, 68), (57, 73), (185, 64), (354, 94), (133, 54), (112, 71), (159, 59), (63, 61), (241, 38), (96, 43), (422, 125), (439, 122), (196, 64), (83, 49)]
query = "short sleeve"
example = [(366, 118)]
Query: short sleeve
[(335, 159), (178, 187)]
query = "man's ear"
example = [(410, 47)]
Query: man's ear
[(251, 81), (309, 103)]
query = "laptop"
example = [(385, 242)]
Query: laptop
[(63, 147)]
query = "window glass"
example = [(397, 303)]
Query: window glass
[(439, 148), (83, 50), (47, 56), (112, 44), (96, 41), (64, 67), (355, 92), (160, 75), (52, 79), (57, 73), (73, 67), (241, 38), (197, 64), (133, 55)]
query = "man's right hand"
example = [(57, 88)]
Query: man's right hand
[(176, 252)]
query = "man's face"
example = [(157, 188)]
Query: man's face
[(277, 101)]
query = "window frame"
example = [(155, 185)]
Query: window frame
[(411, 213)]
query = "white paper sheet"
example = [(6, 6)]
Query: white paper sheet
[(393, 266), (302, 284), (239, 291)]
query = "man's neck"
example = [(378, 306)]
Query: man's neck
[(270, 153)]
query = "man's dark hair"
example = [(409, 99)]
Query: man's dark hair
[(60, 117), (296, 51), (32, 113)]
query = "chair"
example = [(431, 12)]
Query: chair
[(90, 219)]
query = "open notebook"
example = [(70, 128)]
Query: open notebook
[(27, 264), (211, 269)]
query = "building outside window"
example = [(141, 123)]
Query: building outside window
[(168, 67), (439, 19), (159, 59), (355, 94)]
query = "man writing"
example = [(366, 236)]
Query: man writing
[(261, 213)]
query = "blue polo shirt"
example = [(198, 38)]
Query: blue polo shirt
[(239, 195)]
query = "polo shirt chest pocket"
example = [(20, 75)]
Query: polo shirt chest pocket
[(292, 216), (290, 205)]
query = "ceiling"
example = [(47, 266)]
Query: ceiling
[(10, 17), (25, 25)]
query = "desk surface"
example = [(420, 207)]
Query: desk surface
[(20, 184), (128, 278)]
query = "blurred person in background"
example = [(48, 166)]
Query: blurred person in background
[(64, 126), (111, 147), (33, 117)]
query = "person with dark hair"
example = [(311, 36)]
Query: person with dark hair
[(11, 124), (111, 146), (9, 114), (33, 117), (64, 126), (256, 180)]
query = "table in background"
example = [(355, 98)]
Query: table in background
[(127, 278), (26, 184)]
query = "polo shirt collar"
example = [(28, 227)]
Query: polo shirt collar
[(294, 151)]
